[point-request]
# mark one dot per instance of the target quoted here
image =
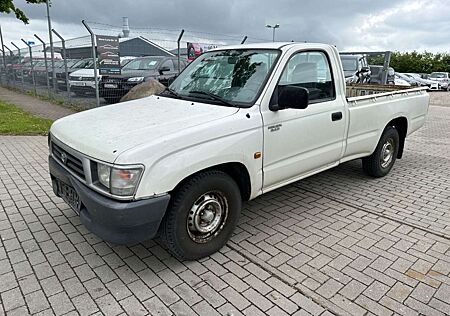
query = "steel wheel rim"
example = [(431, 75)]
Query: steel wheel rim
[(387, 153), (207, 216)]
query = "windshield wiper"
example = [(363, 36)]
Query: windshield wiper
[(173, 93), (213, 97)]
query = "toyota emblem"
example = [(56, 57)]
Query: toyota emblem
[(64, 158)]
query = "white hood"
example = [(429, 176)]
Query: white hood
[(104, 133), (84, 73)]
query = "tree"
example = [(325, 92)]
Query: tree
[(7, 6)]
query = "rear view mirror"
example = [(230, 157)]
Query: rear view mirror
[(292, 97), (164, 69)]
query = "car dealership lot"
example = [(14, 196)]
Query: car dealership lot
[(338, 242)]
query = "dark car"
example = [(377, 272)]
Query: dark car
[(72, 65), (163, 69)]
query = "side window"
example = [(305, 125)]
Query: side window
[(310, 70), (168, 63)]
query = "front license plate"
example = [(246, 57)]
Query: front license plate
[(69, 195), (110, 86), (77, 83)]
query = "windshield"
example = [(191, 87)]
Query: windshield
[(438, 75), (84, 63), (235, 76), (142, 64), (349, 64)]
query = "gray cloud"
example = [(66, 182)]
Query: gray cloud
[(349, 24)]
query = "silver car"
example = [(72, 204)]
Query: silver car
[(442, 78)]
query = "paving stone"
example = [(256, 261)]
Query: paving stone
[(353, 289), (399, 291), (376, 290), (84, 304)]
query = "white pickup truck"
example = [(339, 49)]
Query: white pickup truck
[(238, 122)]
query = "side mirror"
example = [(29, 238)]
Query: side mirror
[(163, 70), (291, 97)]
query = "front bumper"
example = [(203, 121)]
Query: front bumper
[(118, 222), (121, 90)]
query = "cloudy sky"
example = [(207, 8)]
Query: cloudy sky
[(349, 24)]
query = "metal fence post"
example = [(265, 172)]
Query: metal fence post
[(52, 49), (3, 53), (244, 39), (46, 64), (94, 57), (178, 50), (31, 64), (63, 43), (18, 52), (10, 55)]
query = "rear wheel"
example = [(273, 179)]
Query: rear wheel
[(382, 160), (202, 215)]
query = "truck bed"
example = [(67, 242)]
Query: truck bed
[(359, 90), (372, 106)]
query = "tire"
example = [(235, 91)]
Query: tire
[(181, 231), (382, 160)]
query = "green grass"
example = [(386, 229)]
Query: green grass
[(14, 121)]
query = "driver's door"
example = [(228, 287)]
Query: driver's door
[(299, 142)]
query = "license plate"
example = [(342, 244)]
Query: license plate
[(111, 86), (78, 83), (69, 195), (61, 81)]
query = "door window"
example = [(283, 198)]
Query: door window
[(168, 63), (310, 70)]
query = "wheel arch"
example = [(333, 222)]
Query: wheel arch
[(236, 170), (401, 125)]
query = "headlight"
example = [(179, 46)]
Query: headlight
[(122, 182), (104, 174), (136, 79)]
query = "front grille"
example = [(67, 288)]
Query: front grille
[(72, 163), (76, 78)]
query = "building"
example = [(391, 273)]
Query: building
[(132, 46)]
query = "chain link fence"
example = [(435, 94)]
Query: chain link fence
[(69, 77)]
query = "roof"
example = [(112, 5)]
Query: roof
[(274, 45)]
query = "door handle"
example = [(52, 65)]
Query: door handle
[(336, 116)]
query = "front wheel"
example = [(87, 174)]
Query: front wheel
[(382, 160), (201, 216)]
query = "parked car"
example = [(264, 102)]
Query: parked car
[(409, 79), (72, 65), (238, 122), (136, 71), (399, 81), (82, 81), (442, 78), (433, 85), (356, 68)]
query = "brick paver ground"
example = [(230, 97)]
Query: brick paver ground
[(35, 106), (336, 243)]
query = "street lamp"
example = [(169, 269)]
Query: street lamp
[(273, 27)]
